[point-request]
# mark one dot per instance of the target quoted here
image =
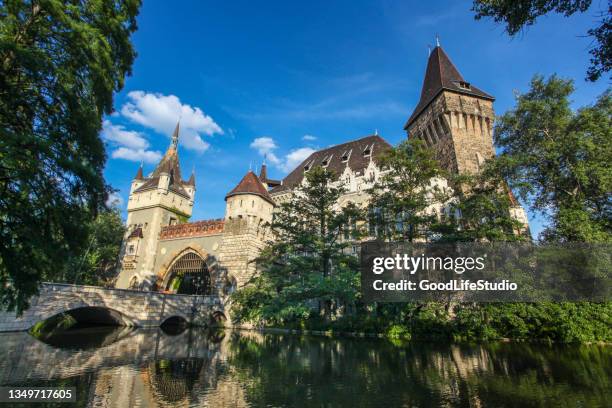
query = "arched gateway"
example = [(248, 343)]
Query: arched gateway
[(188, 274)]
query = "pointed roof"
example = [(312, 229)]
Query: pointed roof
[(139, 175), (441, 74), (250, 184), (169, 164), (191, 181), (175, 136)]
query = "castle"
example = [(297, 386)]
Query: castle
[(163, 251)]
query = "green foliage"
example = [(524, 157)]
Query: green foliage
[(97, 264), (518, 14), (484, 203), (560, 161), (561, 322), (307, 266), (60, 62), (399, 199), (397, 331)]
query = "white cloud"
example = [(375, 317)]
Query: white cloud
[(114, 200), (265, 146), (136, 155), (309, 138), (161, 112), (297, 156), (117, 134), (130, 145)]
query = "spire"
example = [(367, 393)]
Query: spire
[(263, 173), (191, 181), (441, 74), (175, 136), (139, 175)]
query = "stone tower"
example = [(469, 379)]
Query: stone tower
[(453, 117), (248, 211), (163, 198)]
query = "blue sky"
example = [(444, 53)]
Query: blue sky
[(283, 78)]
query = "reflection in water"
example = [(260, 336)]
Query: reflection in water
[(203, 368)]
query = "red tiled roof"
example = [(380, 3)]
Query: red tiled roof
[(441, 74), (192, 229), (250, 184)]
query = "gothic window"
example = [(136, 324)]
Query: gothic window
[(133, 283), (131, 250), (189, 275)]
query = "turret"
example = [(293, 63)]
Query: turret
[(138, 180), (249, 200)]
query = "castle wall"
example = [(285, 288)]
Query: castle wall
[(243, 240)]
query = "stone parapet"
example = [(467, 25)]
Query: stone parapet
[(192, 229)]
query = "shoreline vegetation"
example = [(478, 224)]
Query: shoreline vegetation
[(399, 341), (580, 323)]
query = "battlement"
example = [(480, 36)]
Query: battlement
[(192, 229)]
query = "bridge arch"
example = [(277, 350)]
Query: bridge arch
[(87, 314), (190, 271)]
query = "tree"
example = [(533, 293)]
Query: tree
[(484, 204), (60, 62), (308, 260), (97, 265), (560, 161), (517, 14), (401, 200)]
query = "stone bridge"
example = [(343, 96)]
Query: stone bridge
[(120, 306)]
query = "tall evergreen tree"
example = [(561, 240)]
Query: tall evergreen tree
[(402, 197), (559, 160), (309, 260), (60, 62)]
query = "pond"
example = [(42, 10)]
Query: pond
[(122, 367)]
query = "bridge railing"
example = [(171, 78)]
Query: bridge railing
[(69, 287)]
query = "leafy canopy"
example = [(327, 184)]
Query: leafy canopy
[(560, 160), (60, 62)]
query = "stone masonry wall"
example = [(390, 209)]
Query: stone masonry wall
[(459, 128)]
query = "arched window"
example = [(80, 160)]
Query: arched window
[(133, 283), (189, 275)]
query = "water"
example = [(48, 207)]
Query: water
[(120, 367)]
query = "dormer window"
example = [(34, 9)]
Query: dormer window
[(367, 151), (464, 85), (326, 161), (308, 166), (345, 156)]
